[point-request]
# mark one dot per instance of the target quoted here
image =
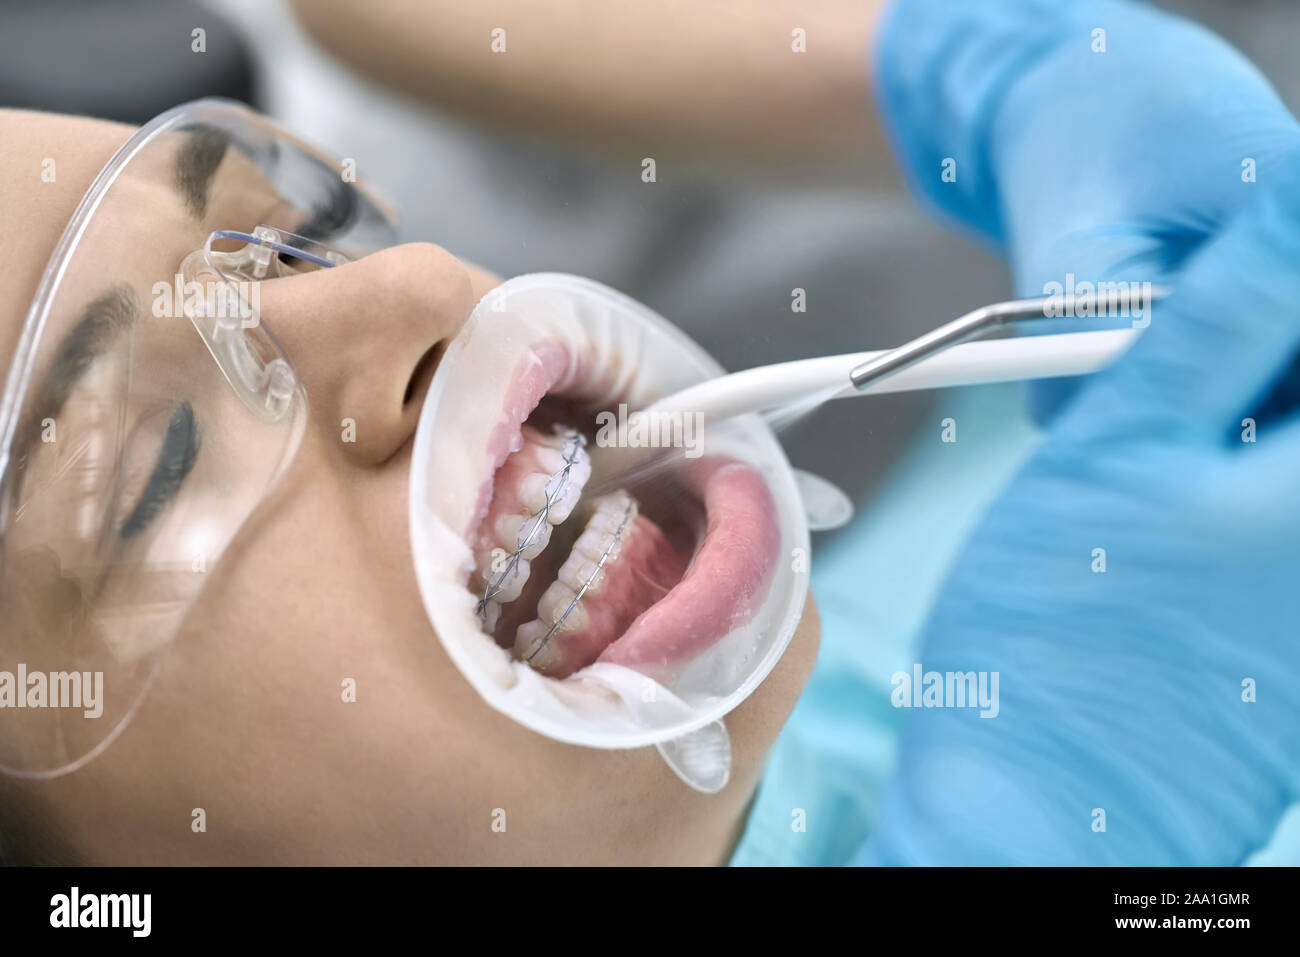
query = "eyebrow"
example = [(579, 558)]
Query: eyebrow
[(114, 310), (106, 318), (196, 164)]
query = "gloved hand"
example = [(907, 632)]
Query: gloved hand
[(1164, 691), (1111, 165)]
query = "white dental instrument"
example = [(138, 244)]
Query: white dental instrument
[(934, 360)]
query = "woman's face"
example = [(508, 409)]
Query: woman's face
[(247, 719)]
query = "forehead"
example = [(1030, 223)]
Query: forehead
[(49, 161)]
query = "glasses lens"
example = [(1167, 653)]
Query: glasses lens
[(134, 457)]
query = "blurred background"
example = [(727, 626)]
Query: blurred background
[(717, 248)]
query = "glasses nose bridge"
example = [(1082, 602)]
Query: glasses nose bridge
[(263, 254), (226, 312)]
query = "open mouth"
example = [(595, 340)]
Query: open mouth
[(647, 575), (690, 577)]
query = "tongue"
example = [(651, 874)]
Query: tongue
[(727, 581)]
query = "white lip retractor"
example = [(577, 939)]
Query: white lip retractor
[(604, 705)]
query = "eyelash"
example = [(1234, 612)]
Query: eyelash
[(331, 217), (180, 449)]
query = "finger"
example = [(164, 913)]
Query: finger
[(1231, 326)]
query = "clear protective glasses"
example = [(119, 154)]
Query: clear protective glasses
[(149, 409)]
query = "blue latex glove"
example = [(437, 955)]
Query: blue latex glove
[(1123, 690), (1112, 165)]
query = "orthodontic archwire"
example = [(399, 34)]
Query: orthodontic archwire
[(605, 556), (573, 444)]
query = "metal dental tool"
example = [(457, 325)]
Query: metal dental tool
[(977, 323), (939, 359)]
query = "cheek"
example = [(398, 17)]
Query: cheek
[(307, 659), (308, 696), (315, 616)]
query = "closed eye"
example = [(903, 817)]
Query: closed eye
[(180, 450)]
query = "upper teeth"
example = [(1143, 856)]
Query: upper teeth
[(550, 498), (562, 490), (527, 533), (506, 573)]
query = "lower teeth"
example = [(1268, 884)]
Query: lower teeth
[(560, 607)]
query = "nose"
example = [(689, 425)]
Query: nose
[(365, 338)]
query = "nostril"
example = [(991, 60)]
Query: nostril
[(423, 371)]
